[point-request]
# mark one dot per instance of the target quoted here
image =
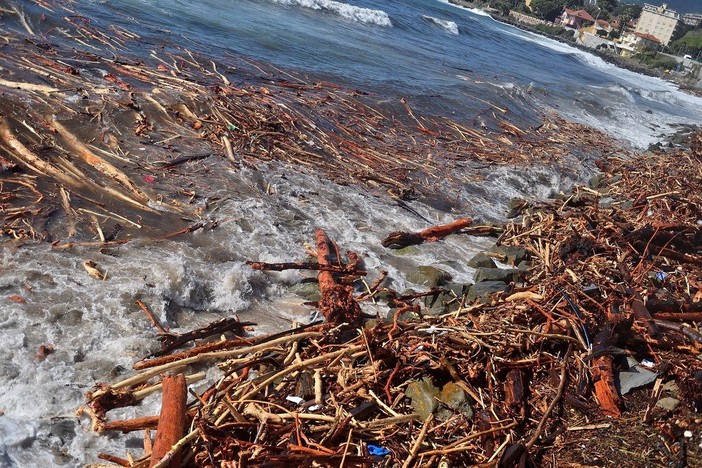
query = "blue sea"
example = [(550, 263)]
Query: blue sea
[(445, 59)]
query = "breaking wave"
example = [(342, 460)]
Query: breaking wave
[(449, 26), (350, 12)]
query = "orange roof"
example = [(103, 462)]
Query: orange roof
[(648, 37), (603, 23), (582, 14)]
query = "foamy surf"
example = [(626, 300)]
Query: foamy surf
[(449, 26), (350, 12), (475, 11)]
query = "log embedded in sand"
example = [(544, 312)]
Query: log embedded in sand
[(171, 422), (337, 304), (400, 239)]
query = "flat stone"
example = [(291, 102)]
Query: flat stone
[(600, 180), (496, 274), (423, 394), (481, 260), (516, 206), (668, 403), (636, 376), (307, 291), (453, 396), (512, 255), (484, 289), (408, 251), (672, 388), (428, 276)]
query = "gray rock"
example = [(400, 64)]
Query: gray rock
[(407, 251), (496, 274), (600, 180), (672, 388), (307, 291), (668, 403), (481, 260), (516, 206), (64, 429), (512, 255), (428, 276), (636, 376), (484, 289), (423, 394), (454, 397)]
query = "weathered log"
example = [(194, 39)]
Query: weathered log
[(171, 422), (131, 425), (337, 303), (400, 239), (345, 269), (602, 372), (171, 341), (514, 391)]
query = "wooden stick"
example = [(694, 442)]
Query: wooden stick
[(171, 423), (418, 442), (337, 304), (130, 425), (400, 239)]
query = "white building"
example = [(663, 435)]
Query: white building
[(692, 19), (658, 21)]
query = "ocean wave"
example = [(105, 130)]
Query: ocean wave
[(449, 26), (350, 12), (475, 11)]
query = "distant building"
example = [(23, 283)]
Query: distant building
[(634, 43), (603, 25), (659, 22), (575, 19), (590, 3), (692, 19)]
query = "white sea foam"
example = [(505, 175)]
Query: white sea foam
[(449, 26), (350, 12), (475, 11)]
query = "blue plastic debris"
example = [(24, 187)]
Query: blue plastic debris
[(377, 451), (661, 275)]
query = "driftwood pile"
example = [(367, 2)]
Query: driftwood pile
[(532, 375), (102, 135)]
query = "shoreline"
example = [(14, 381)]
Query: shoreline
[(111, 148), (620, 62)]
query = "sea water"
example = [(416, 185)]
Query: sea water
[(444, 59)]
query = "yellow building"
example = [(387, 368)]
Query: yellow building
[(658, 21)]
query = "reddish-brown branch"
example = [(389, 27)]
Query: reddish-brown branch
[(347, 269), (337, 303), (400, 239), (171, 422), (130, 425)]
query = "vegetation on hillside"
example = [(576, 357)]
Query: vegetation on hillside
[(690, 43)]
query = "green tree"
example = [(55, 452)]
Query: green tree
[(547, 9)]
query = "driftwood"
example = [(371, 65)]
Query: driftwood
[(171, 422), (400, 239), (337, 303)]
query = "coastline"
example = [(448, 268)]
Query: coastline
[(110, 148), (621, 62)]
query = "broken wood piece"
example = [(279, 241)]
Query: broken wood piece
[(400, 239), (602, 372), (131, 425), (171, 422), (344, 269), (337, 303), (92, 269), (171, 341)]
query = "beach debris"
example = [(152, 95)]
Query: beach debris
[(400, 239), (92, 269)]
